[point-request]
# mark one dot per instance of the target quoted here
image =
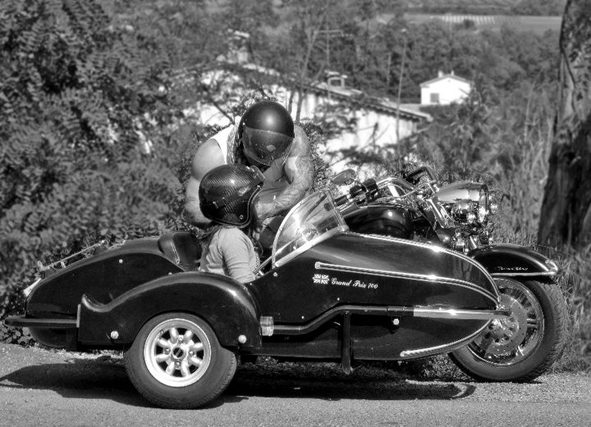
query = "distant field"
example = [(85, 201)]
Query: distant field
[(478, 6), (536, 24)]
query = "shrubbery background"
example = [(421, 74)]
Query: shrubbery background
[(87, 149)]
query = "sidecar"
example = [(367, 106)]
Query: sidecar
[(325, 293)]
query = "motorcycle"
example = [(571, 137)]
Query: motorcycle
[(457, 217), (325, 293)]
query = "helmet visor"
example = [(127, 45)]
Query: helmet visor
[(264, 146)]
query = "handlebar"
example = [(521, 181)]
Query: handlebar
[(410, 184), (368, 188), (414, 176)]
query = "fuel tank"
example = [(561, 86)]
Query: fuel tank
[(383, 219)]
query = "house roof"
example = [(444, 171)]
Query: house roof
[(445, 76), (384, 105)]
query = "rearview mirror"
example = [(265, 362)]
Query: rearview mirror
[(345, 177)]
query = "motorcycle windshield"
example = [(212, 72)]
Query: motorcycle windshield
[(311, 221)]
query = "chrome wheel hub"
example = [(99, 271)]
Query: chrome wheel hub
[(177, 352), (503, 336), (510, 340)]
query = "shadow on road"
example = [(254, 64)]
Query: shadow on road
[(326, 381), (79, 378), (105, 378)]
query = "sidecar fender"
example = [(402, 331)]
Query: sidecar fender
[(225, 304), (515, 261)]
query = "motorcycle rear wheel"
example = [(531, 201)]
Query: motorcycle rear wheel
[(523, 346)]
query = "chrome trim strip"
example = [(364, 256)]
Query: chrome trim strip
[(438, 248), (451, 346), (531, 274), (452, 313), (27, 291), (396, 274), (326, 235), (391, 311)]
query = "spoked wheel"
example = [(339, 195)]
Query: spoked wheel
[(525, 344), (176, 361)]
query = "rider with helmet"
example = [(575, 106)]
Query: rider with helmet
[(226, 195), (267, 138)]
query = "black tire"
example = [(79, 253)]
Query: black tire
[(177, 362), (526, 344)]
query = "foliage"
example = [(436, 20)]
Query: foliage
[(86, 153), (575, 277), (178, 27), (459, 140), (501, 59)]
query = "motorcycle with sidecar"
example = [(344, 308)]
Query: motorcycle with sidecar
[(458, 216), (324, 294)]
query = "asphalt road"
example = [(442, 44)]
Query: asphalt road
[(47, 388)]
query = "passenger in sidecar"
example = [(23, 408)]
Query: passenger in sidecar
[(227, 195)]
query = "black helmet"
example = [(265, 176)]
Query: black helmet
[(226, 193), (266, 131)]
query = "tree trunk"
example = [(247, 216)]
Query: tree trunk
[(566, 209)]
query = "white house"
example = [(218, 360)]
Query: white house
[(445, 89)]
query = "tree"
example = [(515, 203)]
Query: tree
[(566, 208), (86, 150)]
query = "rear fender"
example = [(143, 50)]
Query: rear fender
[(225, 304), (515, 261)]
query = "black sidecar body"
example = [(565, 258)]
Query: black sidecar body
[(324, 294)]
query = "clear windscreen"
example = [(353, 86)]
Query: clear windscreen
[(308, 223)]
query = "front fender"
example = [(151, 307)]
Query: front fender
[(515, 261), (225, 304)]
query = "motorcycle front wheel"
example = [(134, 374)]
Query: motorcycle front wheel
[(525, 344)]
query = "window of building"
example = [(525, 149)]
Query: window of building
[(434, 98)]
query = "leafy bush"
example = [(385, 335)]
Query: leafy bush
[(87, 150)]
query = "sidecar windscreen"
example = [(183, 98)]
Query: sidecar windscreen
[(311, 221)]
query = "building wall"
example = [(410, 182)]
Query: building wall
[(375, 127), (447, 89)]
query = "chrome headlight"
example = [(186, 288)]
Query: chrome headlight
[(483, 202), (463, 211), (469, 202)]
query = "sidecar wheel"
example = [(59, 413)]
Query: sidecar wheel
[(177, 362), (526, 344)]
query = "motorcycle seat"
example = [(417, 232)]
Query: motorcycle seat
[(182, 248)]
